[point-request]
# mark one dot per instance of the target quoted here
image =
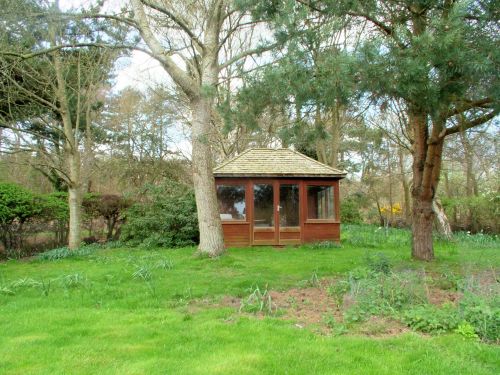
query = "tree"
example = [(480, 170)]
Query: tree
[(52, 88), (194, 33), (439, 58)]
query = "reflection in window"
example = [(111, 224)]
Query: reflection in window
[(320, 202), (289, 205), (231, 202), (263, 199)]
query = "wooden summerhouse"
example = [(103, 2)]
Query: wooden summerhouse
[(277, 197)]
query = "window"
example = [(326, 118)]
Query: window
[(263, 199), (289, 205), (320, 202), (231, 202)]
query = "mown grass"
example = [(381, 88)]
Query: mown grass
[(131, 311)]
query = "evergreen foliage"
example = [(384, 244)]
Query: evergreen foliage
[(166, 217)]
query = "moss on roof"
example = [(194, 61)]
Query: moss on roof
[(269, 162)]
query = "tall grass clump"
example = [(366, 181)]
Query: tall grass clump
[(65, 252)]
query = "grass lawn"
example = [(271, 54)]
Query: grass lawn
[(162, 311)]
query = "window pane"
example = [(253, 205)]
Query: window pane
[(263, 199), (231, 202), (289, 205), (320, 202)]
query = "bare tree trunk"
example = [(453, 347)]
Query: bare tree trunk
[(335, 133), (391, 200), (471, 185), (423, 219), (72, 154), (449, 194), (75, 204), (211, 237), (426, 169), (442, 220), (406, 187)]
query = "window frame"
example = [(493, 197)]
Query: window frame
[(240, 183), (333, 185)]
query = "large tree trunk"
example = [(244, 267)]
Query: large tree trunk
[(72, 154), (426, 153), (211, 238), (423, 219), (75, 200), (75, 219)]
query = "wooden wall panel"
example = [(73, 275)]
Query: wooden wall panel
[(321, 232), (263, 236), (236, 234), (289, 236)]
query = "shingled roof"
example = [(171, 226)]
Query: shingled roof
[(282, 162)]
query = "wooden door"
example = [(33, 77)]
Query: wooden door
[(288, 209), (264, 213)]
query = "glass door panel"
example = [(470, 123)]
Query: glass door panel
[(263, 215), (263, 199), (288, 210), (289, 205)]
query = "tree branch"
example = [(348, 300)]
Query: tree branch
[(247, 53), (178, 20), (481, 103), (462, 126), (178, 75)]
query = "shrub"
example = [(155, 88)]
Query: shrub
[(166, 217), (17, 206), (55, 210), (350, 211), (432, 319), (372, 294), (109, 206), (378, 263), (483, 314)]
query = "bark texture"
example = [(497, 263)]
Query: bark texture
[(211, 237), (423, 219)]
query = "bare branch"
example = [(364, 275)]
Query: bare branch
[(253, 51), (178, 75), (178, 19)]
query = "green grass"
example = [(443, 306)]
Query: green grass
[(135, 311)]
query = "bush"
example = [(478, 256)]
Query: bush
[(109, 206), (432, 319), (375, 293), (350, 211), (483, 314), (165, 218), (17, 206), (474, 213), (55, 210)]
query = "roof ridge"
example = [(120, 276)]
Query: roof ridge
[(317, 161), (232, 159)]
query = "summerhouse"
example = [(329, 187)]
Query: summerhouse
[(277, 197)]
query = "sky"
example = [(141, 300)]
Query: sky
[(138, 71)]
